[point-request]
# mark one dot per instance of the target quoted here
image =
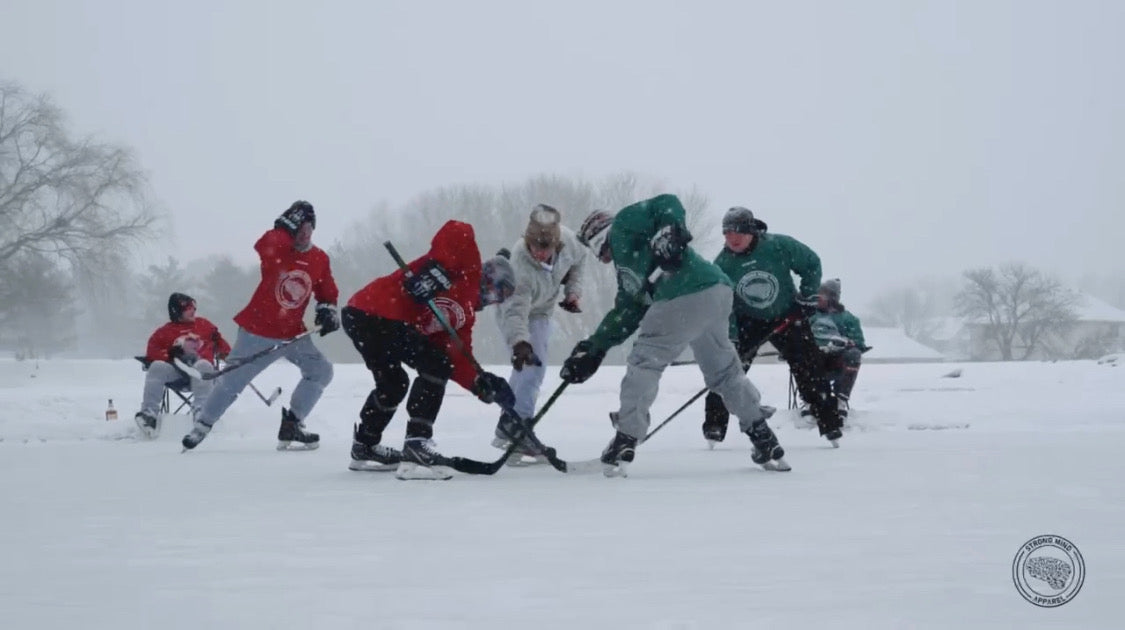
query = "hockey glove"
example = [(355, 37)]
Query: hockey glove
[(425, 284), (490, 388), (805, 306), (299, 213), (669, 245), (327, 318), (177, 352), (583, 361), (570, 305), (522, 354)]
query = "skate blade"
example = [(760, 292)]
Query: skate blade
[(361, 466), (834, 443), (409, 471), (711, 444), (620, 469), (284, 445), (777, 465)]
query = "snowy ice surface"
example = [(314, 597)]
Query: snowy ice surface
[(912, 523)]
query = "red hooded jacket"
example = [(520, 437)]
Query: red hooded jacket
[(454, 247), (162, 340), (289, 279)]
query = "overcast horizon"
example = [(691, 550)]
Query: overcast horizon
[(899, 140)]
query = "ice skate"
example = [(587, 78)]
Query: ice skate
[(291, 436), (372, 457), (714, 434), (767, 451), (421, 461), (148, 425), (525, 454), (618, 455), (833, 437), (198, 432)]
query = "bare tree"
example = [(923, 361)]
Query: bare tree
[(224, 291), (157, 284), (1017, 307), (917, 308), (498, 215), (68, 199)]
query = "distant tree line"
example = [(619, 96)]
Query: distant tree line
[(74, 210)]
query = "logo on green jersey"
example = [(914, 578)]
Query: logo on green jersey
[(629, 280), (759, 289)]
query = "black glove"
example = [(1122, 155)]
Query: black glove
[(327, 318), (490, 388), (805, 305), (582, 363), (425, 284), (570, 306), (522, 354), (668, 246), (299, 213), (178, 352)]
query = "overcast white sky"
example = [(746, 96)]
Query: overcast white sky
[(897, 138)]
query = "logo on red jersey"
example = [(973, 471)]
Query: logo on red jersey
[(293, 288), (451, 310)]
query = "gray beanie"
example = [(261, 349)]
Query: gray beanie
[(831, 288)]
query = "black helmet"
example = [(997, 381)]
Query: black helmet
[(741, 220)]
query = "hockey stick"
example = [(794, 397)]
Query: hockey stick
[(234, 365), (547, 451), (475, 467), (272, 397), (771, 353)]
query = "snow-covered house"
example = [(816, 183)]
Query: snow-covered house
[(1098, 329)]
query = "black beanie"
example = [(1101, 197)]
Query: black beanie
[(177, 302)]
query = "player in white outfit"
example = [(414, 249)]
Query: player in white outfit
[(548, 262)]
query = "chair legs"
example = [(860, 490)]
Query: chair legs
[(184, 401)]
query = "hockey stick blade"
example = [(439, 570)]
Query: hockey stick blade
[(537, 444), (187, 369), (268, 401)]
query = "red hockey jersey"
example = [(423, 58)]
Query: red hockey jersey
[(454, 247), (210, 341), (289, 279)]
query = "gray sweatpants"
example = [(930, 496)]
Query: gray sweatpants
[(525, 383), (316, 374), (700, 320), (161, 373)]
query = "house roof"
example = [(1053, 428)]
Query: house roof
[(1094, 310), (892, 343)]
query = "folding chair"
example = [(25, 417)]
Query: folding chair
[(181, 387)]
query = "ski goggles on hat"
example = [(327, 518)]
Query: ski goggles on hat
[(599, 244)]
